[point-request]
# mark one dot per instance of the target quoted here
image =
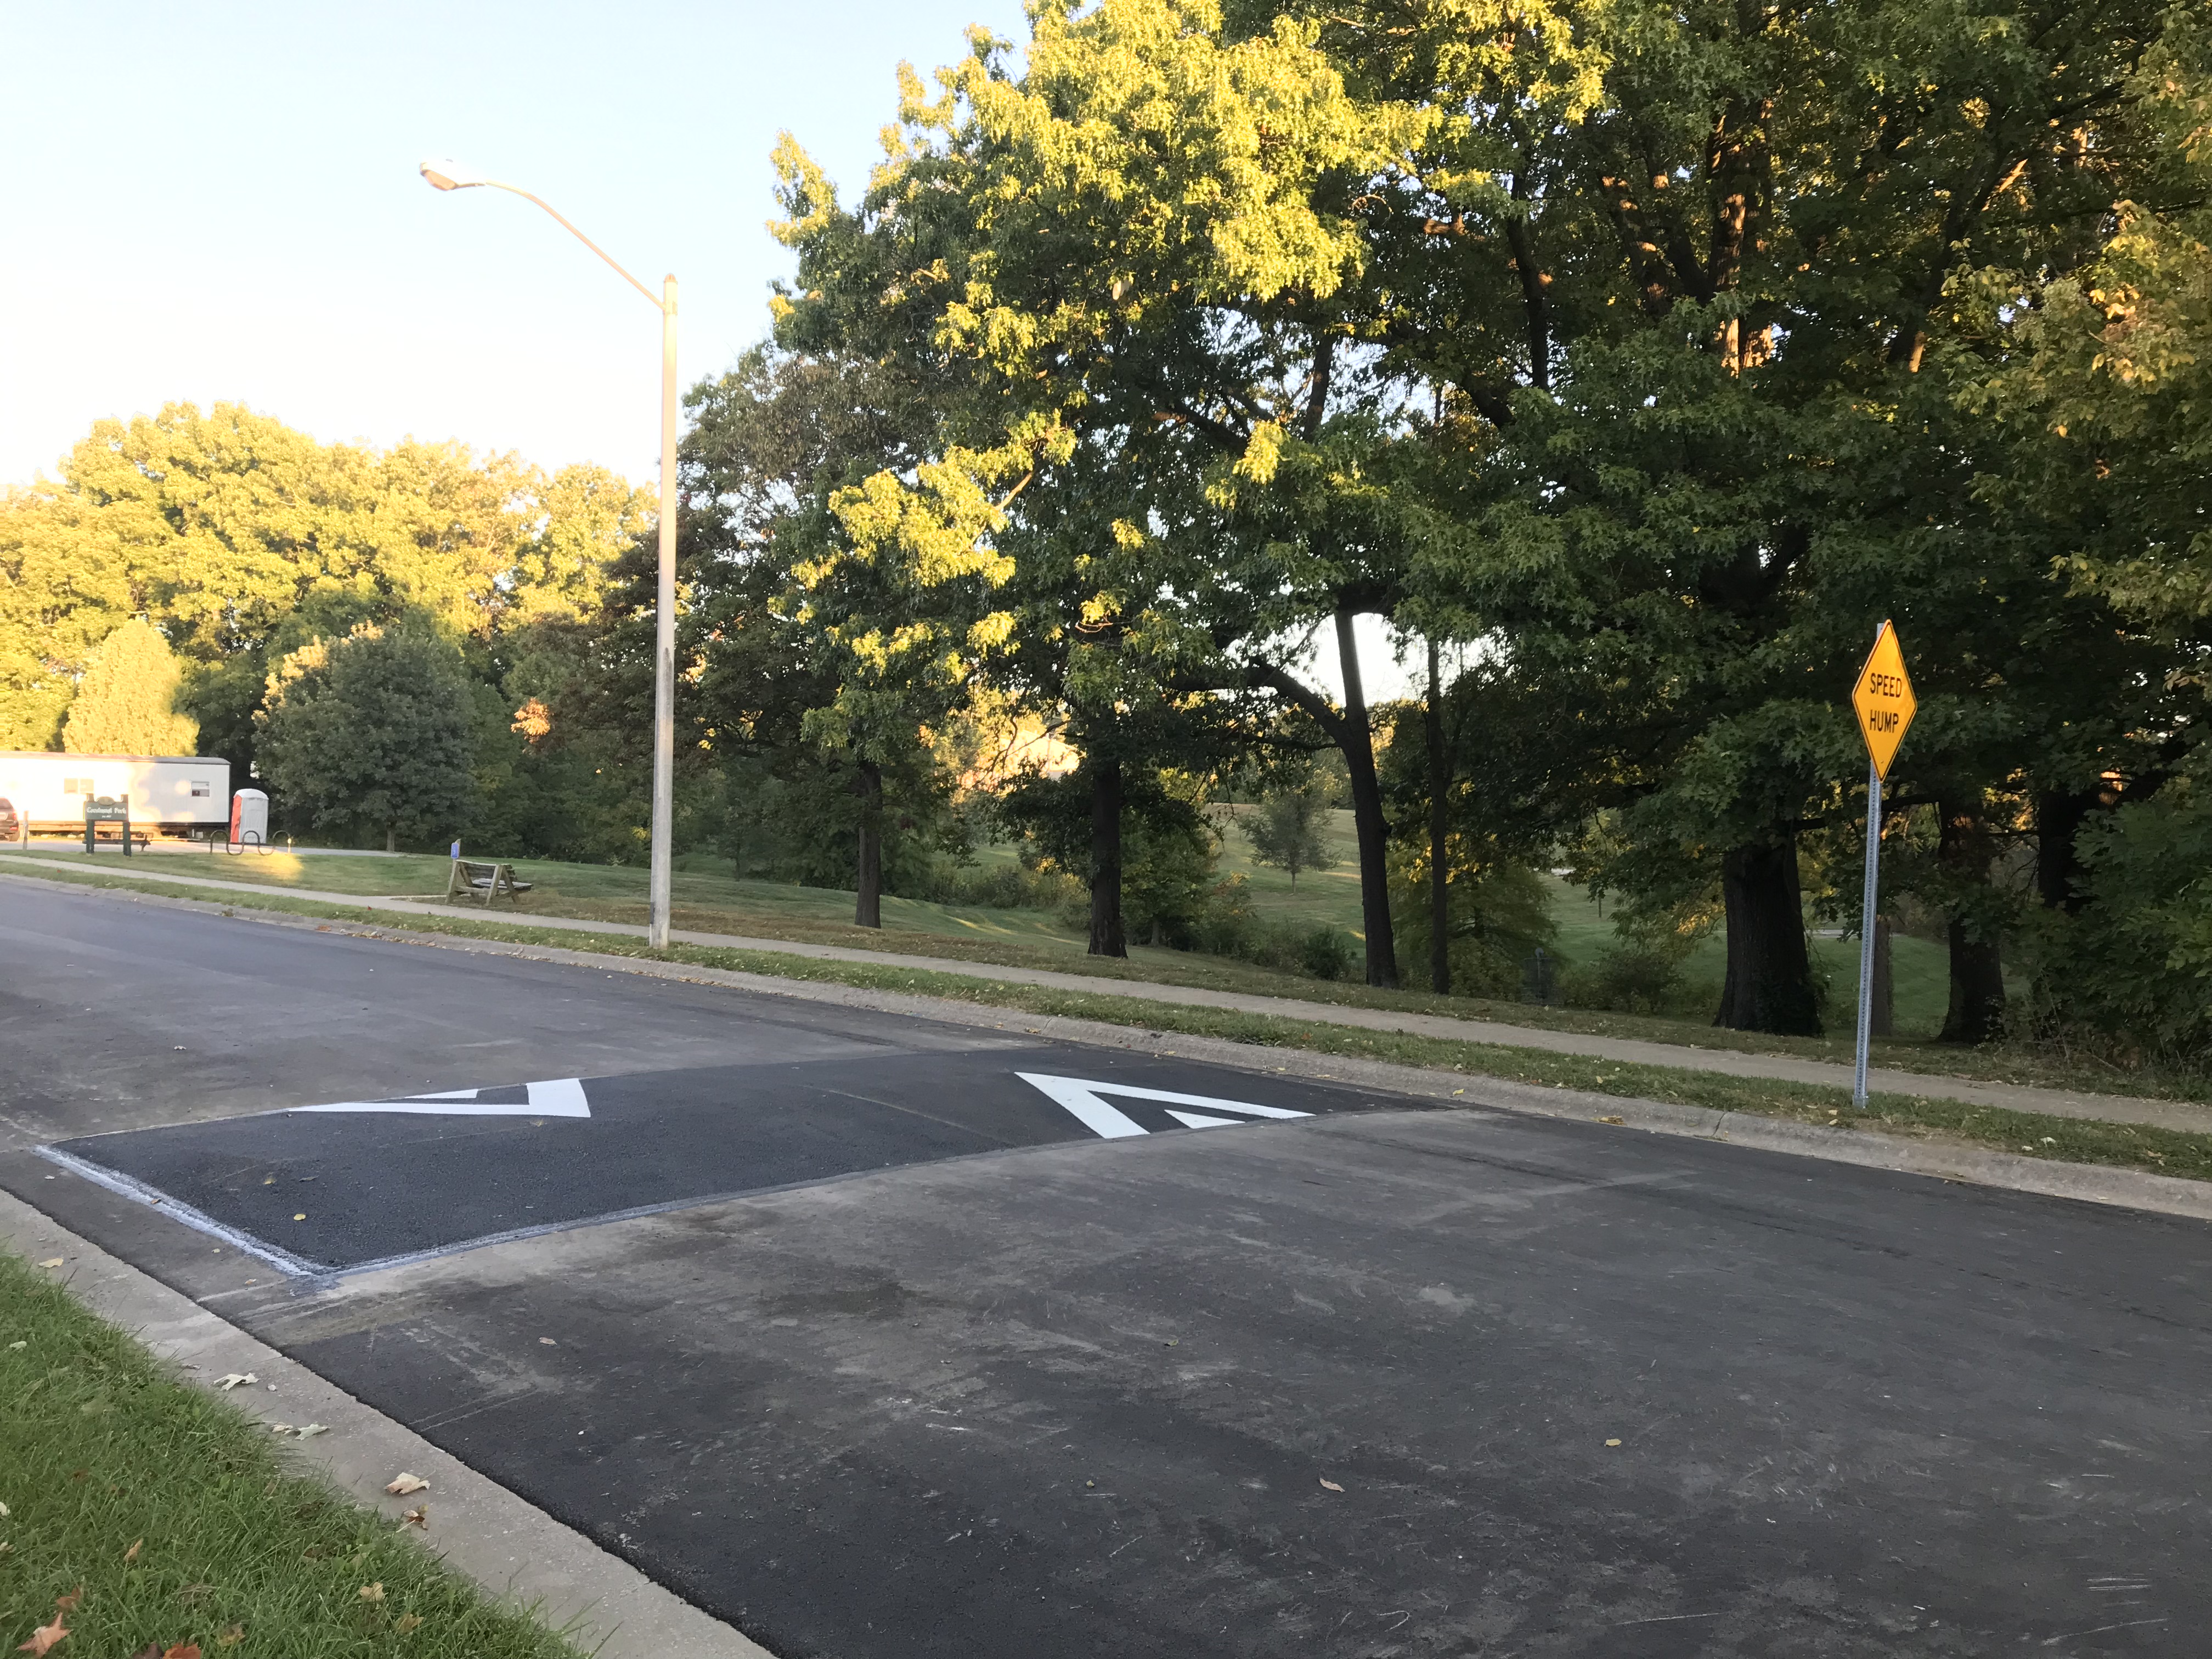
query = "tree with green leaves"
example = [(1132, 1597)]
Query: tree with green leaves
[(1136, 245), (126, 704), (1680, 277), (373, 731), (239, 539), (807, 691), (2100, 399), (1285, 828), (1096, 646)]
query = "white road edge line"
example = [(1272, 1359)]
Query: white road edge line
[(154, 1198)]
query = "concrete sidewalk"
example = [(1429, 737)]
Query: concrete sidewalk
[(2020, 1097)]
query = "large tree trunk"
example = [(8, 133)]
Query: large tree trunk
[(1976, 1013), (1770, 976), (391, 837), (868, 899), (1357, 742), (1106, 937), (1882, 995), (1439, 835), (2059, 816)]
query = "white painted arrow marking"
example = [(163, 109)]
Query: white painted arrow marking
[(1082, 1098), (562, 1097)]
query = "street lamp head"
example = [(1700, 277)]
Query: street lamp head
[(452, 175)]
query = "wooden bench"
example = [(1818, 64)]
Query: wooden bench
[(470, 879)]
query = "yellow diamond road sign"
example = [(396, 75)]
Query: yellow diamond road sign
[(1884, 700)]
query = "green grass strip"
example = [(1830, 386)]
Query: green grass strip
[(2035, 1134), (103, 1453)]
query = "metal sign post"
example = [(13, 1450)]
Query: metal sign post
[(1884, 703), (1866, 935)]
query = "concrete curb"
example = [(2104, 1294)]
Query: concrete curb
[(518, 1554), (2185, 1115), (1868, 1149)]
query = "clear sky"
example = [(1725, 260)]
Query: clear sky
[(219, 201), (213, 202)]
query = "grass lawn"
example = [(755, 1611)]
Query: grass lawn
[(1920, 971), (1328, 895), (168, 1515), (706, 897)]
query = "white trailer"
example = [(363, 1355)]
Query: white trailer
[(172, 794)]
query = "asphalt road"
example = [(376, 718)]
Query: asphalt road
[(917, 1340)]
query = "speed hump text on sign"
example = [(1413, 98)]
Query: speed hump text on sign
[(1884, 700)]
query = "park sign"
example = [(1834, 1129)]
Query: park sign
[(1883, 700), (107, 809)]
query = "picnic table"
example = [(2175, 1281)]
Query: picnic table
[(471, 879)]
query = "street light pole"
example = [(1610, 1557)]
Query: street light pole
[(663, 634), (452, 175)]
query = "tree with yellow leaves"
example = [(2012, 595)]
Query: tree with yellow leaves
[(126, 703)]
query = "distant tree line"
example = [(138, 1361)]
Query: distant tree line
[(366, 629)]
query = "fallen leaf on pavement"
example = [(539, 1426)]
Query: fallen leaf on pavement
[(309, 1430), (1612, 1120), (131, 1555), (416, 1517), (52, 1261), (406, 1483), (280, 1428), (235, 1380), (547, 1342), (1330, 1484), (373, 1592), (1612, 1442)]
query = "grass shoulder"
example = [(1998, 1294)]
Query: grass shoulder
[(169, 1516)]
